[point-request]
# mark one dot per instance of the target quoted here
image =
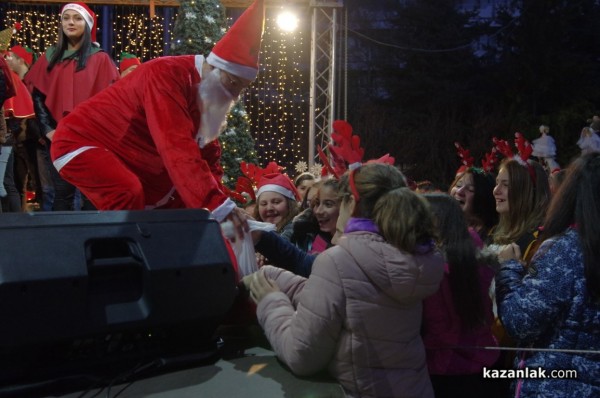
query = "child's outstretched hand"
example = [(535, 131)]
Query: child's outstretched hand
[(259, 285)]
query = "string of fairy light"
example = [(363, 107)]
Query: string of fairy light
[(277, 102), (138, 34), (278, 99), (39, 26), (134, 31)]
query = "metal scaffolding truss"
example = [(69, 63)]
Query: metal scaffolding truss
[(325, 74)]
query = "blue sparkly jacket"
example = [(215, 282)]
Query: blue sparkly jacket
[(546, 306)]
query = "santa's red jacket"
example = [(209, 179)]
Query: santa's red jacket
[(143, 128)]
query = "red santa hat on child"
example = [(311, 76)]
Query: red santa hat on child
[(127, 61), (237, 51), (88, 15), (277, 182), (24, 53)]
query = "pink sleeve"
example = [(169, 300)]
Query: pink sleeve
[(476, 238)]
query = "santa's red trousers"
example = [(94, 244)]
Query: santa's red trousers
[(110, 185)]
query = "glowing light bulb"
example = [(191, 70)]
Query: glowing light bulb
[(287, 21)]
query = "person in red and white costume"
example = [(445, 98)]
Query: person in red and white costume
[(72, 71), (150, 140)]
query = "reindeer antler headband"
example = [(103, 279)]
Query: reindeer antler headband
[(524, 150), (488, 163), (347, 154)]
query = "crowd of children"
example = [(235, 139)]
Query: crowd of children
[(505, 293)]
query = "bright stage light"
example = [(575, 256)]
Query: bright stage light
[(287, 21)]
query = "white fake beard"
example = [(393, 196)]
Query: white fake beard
[(215, 103)]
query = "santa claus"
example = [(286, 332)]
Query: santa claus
[(150, 141)]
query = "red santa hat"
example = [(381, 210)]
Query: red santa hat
[(24, 53), (237, 51), (127, 61), (86, 12), (277, 182)]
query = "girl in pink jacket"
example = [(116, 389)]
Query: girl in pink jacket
[(358, 315), (457, 319)]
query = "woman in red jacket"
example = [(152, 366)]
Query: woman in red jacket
[(66, 75)]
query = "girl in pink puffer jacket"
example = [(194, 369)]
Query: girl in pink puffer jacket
[(358, 315)]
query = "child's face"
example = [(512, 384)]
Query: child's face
[(272, 207), (501, 191), (464, 192), (327, 209), (303, 187)]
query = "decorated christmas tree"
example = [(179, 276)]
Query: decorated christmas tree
[(199, 25)]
